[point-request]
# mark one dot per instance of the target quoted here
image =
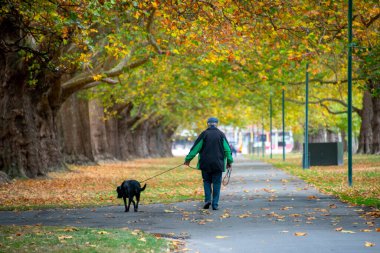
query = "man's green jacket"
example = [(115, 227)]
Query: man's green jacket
[(214, 151)]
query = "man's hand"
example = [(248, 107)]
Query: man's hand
[(229, 166), (186, 163)]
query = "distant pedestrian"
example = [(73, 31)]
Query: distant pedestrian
[(233, 150), (214, 156)]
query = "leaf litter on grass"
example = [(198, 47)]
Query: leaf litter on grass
[(96, 185)]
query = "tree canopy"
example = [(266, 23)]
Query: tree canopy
[(217, 52)]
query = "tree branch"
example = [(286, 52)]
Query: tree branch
[(77, 83), (332, 112), (150, 36), (321, 102)]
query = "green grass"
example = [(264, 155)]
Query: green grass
[(365, 190), (71, 239)]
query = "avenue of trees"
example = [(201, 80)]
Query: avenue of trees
[(84, 80)]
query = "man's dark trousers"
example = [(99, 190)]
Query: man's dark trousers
[(212, 182)]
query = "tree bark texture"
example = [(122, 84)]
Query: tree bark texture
[(366, 115), (75, 137), (32, 90), (376, 125), (317, 135), (28, 135), (87, 137)]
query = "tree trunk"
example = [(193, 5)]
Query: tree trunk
[(100, 145), (344, 141), (159, 139), (74, 130), (366, 135), (297, 146), (113, 138), (317, 135), (140, 140), (28, 136), (376, 125), (124, 124), (332, 136), (165, 135)]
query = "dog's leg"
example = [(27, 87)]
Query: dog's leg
[(137, 201), (125, 204), (134, 205), (129, 202)]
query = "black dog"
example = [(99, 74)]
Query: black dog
[(129, 189)]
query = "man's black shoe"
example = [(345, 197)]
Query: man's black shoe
[(207, 205), (215, 208)]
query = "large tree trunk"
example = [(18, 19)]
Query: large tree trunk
[(164, 137), (28, 135), (74, 130), (366, 135), (100, 146), (376, 125), (159, 139)]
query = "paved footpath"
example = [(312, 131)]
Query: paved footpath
[(261, 210)]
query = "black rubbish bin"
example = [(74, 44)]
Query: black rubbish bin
[(326, 153)]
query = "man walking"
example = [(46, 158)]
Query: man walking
[(214, 156)]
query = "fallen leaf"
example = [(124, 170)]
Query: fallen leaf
[(369, 244), (311, 197), (64, 237), (220, 237), (284, 231), (244, 215), (103, 232), (225, 215), (333, 206), (168, 211), (202, 222), (88, 244), (135, 232), (70, 229), (142, 239), (300, 233), (339, 229), (377, 229), (365, 230), (347, 231)]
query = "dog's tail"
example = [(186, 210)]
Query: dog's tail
[(141, 189)]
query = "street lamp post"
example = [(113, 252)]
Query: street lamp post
[(283, 123), (306, 138), (270, 114), (349, 102), (262, 136)]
